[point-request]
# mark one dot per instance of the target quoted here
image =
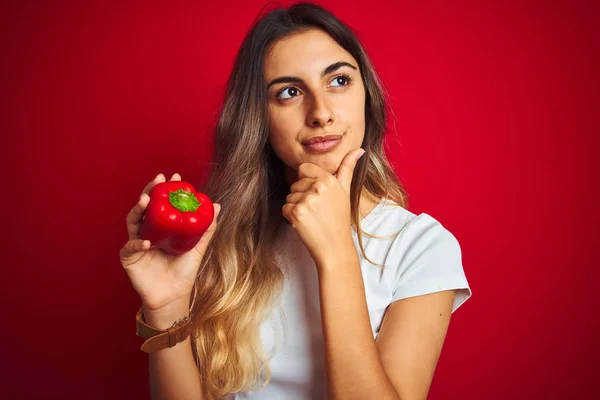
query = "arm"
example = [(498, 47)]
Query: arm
[(410, 341), (173, 371), (318, 207), (353, 367), (401, 363)]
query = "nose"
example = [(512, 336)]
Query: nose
[(320, 113)]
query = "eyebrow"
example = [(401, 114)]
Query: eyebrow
[(293, 79)]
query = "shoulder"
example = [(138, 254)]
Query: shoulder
[(399, 235), (424, 226), (389, 218), (420, 255), (425, 234), (427, 258), (425, 255), (411, 239)]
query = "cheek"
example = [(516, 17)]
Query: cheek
[(354, 117), (281, 130), (276, 136), (277, 145), (358, 106), (282, 143), (276, 125)]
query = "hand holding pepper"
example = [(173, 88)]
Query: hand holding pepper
[(176, 217), (163, 269)]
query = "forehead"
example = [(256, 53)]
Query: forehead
[(305, 53)]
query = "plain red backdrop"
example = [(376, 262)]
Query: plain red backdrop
[(496, 106)]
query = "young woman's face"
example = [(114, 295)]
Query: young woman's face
[(314, 97)]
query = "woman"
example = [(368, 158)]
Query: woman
[(318, 281)]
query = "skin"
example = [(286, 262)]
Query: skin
[(317, 106)]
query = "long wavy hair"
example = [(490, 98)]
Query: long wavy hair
[(240, 281)]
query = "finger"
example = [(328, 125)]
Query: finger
[(302, 185), (295, 198), (201, 246), (132, 250), (346, 169), (175, 177), (286, 211), (134, 218), (158, 179)]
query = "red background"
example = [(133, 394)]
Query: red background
[(497, 108)]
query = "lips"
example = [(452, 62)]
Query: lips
[(322, 144), (317, 139)]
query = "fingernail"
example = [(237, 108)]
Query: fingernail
[(159, 176), (362, 154)]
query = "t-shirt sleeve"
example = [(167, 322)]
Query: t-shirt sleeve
[(428, 259)]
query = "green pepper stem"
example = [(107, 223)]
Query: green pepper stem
[(183, 200)]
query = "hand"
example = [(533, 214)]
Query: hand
[(318, 207), (160, 278)]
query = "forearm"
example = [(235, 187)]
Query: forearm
[(354, 369), (173, 371)]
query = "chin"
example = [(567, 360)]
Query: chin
[(329, 162)]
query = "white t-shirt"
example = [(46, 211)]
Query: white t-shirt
[(424, 258)]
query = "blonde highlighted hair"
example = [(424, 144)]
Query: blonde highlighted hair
[(239, 281)]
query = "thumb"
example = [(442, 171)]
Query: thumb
[(346, 170), (202, 244)]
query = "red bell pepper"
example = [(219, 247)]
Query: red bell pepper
[(176, 217)]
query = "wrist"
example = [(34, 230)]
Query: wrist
[(338, 259), (338, 267), (164, 317)]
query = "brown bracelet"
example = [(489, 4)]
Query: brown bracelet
[(160, 339)]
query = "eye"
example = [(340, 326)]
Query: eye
[(342, 78), (293, 91), (290, 89)]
